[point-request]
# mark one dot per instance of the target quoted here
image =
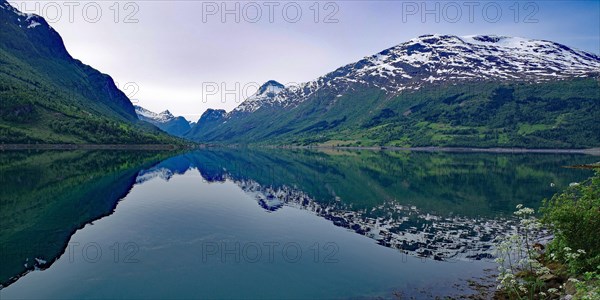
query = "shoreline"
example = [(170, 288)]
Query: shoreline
[(161, 147), (589, 151)]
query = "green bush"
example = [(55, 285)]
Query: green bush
[(574, 218)]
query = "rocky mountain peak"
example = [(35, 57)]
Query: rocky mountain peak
[(263, 97)]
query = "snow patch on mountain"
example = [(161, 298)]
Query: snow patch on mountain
[(33, 24)]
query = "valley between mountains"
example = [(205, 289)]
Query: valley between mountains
[(434, 90)]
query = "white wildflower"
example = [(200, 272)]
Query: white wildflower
[(523, 289)]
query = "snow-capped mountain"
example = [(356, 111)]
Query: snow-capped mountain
[(147, 115), (446, 58), (265, 94), (436, 59), (482, 84), (25, 20), (166, 121)]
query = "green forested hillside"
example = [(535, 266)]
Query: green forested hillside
[(560, 114), (46, 96)]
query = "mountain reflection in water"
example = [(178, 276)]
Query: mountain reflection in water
[(443, 206)]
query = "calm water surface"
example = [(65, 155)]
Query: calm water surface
[(272, 223)]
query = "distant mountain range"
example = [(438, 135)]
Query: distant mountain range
[(47, 96), (177, 126), (434, 90)]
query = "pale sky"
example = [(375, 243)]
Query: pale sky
[(174, 53)]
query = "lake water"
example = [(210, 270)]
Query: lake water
[(240, 223)]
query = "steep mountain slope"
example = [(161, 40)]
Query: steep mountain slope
[(168, 123), (210, 119), (436, 90), (47, 96)]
